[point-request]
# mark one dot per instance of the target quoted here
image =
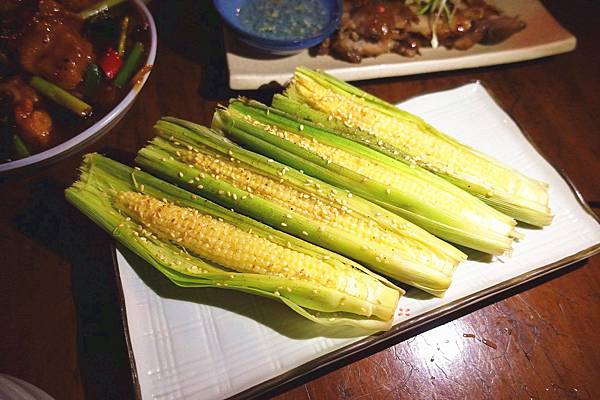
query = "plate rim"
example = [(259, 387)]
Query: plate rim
[(405, 329)]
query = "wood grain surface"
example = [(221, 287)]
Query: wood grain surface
[(60, 320)]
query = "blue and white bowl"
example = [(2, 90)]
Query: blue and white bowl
[(229, 11)]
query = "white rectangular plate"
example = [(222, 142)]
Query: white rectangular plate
[(542, 37), (208, 343)]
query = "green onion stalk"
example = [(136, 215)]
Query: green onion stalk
[(61, 96)]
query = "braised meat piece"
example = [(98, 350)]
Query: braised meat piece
[(369, 28), (376, 20), (54, 48), (474, 22), (372, 27), (34, 124), (499, 28)]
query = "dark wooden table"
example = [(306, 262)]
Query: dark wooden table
[(60, 322)]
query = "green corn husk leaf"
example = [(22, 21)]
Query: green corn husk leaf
[(408, 190), (366, 119), (344, 294), (202, 161)]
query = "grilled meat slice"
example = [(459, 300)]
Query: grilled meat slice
[(373, 27)]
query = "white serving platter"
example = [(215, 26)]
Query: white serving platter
[(542, 37), (213, 344)]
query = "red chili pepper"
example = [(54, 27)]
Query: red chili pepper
[(111, 63)]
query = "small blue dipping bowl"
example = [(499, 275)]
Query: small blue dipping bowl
[(229, 10)]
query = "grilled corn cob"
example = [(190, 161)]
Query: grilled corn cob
[(205, 163), (196, 243), (369, 120), (410, 191)]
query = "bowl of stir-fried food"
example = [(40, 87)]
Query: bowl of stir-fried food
[(69, 71)]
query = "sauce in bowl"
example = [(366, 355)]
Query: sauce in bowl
[(283, 19)]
